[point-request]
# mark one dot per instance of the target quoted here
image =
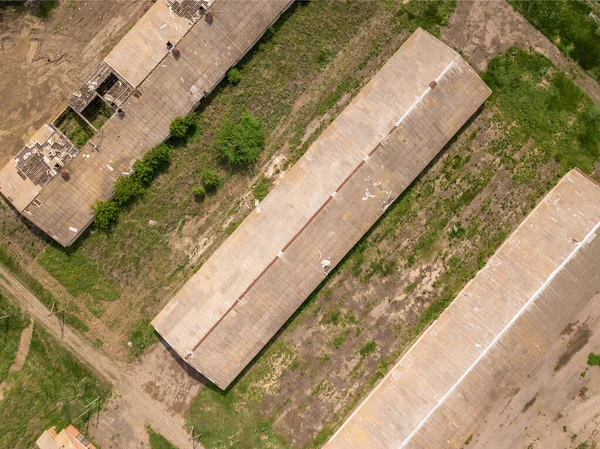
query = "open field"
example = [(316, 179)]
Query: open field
[(573, 26), (51, 389), (395, 281)]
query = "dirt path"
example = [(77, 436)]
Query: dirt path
[(154, 391), (482, 29), (22, 349)]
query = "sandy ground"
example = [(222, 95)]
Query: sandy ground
[(153, 391), (43, 61), (485, 28), (555, 402)]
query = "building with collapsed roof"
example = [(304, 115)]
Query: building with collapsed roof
[(393, 128), (172, 58)]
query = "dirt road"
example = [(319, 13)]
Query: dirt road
[(141, 396)]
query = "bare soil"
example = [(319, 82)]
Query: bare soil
[(45, 60)]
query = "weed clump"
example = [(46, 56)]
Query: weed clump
[(211, 180), (240, 142), (234, 76)]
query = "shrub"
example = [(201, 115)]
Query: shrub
[(240, 142), (105, 214), (154, 161), (180, 126), (198, 192), (234, 76), (127, 188), (210, 179), (593, 359)]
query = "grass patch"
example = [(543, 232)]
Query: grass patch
[(261, 188), (570, 26), (142, 337), (72, 126), (10, 333), (547, 106), (78, 274), (50, 390), (157, 441), (43, 295)]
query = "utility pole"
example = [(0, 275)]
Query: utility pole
[(61, 321)]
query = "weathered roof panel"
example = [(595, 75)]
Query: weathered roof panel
[(498, 327), (388, 134)]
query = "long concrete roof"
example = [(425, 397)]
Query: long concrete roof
[(374, 149), (493, 334), (169, 87)]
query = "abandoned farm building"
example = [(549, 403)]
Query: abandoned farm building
[(493, 335), (172, 58), (68, 438), (362, 162)]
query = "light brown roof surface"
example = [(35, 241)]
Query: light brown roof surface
[(68, 438), (145, 45), (64, 208), (376, 147), (496, 330)]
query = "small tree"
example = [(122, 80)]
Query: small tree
[(105, 214), (180, 126), (210, 179), (198, 192), (234, 76), (126, 189), (240, 142)]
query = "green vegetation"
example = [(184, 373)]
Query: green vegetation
[(211, 180), (563, 122), (368, 348), (72, 126), (570, 25), (142, 337), (212, 417), (157, 441), (38, 289), (593, 359), (10, 332), (97, 113), (77, 273), (105, 214), (240, 142), (51, 389), (199, 192), (128, 188), (180, 127), (234, 76), (261, 188)]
